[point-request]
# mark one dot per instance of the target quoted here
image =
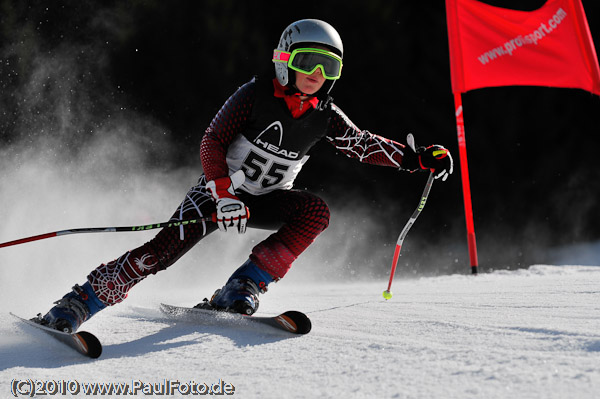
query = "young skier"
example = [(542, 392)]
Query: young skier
[(251, 153)]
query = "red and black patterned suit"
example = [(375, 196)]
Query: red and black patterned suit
[(267, 133)]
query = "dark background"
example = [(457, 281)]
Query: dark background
[(533, 152)]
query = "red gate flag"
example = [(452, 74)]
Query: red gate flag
[(493, 46)]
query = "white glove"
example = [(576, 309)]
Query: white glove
[(231, 212)]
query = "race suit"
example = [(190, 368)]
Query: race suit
[(266, 132)]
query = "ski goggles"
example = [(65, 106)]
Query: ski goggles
[(307, 60)]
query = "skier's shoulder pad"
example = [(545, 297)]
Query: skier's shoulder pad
[(339, 113), (249, 87)]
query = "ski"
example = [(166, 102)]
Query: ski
[(291, 321), (82, 341)]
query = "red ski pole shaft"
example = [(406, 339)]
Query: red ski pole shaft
[(177, 223), (387, 294)]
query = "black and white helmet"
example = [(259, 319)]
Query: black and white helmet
[(306, 31)]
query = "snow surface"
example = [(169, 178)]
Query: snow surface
[(531, 333)]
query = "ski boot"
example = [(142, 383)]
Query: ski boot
[(240, 293), (72, 309)]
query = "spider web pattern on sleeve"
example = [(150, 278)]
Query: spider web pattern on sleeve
[(363, 145)]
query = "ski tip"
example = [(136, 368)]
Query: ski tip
[(89, 344), (299, 323)]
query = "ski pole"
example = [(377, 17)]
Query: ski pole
[(212, 218), (387, 294)]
